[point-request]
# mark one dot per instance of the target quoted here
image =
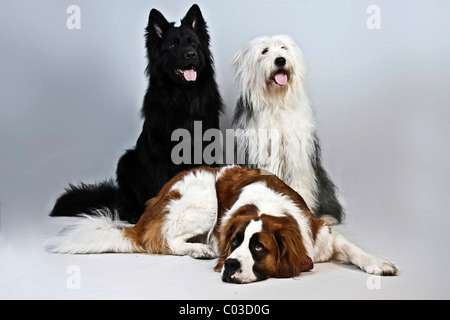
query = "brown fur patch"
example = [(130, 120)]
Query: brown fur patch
[(290, 253)]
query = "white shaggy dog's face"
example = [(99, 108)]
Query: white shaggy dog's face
[(273, 63)]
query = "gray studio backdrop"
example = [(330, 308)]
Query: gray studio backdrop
[(378, 78)]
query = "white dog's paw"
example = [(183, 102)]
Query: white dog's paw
[(382, 268)]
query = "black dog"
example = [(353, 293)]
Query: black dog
[(182, 89)]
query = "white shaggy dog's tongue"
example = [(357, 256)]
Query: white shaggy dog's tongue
[(281, 79), (190, 75)]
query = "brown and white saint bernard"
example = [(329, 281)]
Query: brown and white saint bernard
[(255, 224)]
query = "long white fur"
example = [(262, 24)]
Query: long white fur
[(281, 123), (96, 233)]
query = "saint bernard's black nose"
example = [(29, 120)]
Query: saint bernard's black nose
[(232, 265)]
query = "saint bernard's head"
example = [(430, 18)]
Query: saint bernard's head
[(257, 246)]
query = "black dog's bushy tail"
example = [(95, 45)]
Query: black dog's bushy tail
[(85, 198)]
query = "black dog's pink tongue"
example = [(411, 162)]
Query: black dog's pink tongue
[(190, 75)]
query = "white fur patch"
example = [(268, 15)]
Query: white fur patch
[(195, 213), (96, 233)]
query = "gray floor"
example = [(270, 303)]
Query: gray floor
[(28, 272)]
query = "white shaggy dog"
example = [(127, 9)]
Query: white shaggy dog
[(274, 125)]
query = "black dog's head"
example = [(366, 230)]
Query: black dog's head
[(179, 54)]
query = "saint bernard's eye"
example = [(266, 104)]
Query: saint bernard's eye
[(258, 247), (234, 243)]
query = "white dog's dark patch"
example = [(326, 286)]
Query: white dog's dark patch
[(271, 75)]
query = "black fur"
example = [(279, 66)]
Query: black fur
[(171, 102), (243, 109), (327, 201)]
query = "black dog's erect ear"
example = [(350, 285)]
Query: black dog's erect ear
[(157, 24), (194, 19)]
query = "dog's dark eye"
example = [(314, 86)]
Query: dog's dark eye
[(173, 45), (258, 247), (192, 42), (265, 51), (284, 47), (234, 243)]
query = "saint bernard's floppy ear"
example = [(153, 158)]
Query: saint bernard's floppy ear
[(226, 234), (219, 264), (227, 231), (224, 244), (291, 251)]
